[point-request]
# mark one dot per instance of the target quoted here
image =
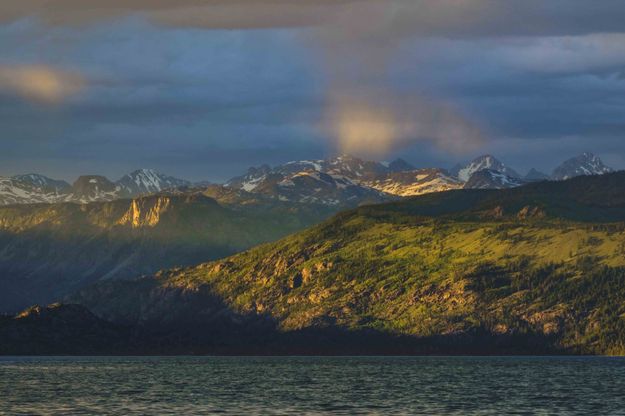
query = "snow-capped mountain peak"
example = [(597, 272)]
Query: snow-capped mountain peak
[(334, 181), (485, 162), (584, 164), (42, 183), (32, 188), (35, 188), (146, 181), (341, 181)]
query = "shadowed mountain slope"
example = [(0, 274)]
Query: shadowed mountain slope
[(63, 330), (50, 250)]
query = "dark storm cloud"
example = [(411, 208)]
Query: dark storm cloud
[(541, 99), (541, 79), (182, 101), (356, 41)]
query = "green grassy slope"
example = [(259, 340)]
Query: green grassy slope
[(545, 262)]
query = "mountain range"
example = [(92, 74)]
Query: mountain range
[(323, 256), (96, 229), (343, 181), (537, 269), (35, 188), (349, 181)]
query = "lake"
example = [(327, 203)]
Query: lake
[(312, 385)]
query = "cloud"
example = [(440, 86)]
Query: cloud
[(39, 83), (398, 17), (352, 39), (226, 14), (375, 124), (370, 76), (569, 54)]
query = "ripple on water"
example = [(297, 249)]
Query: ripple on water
[(312, 385)]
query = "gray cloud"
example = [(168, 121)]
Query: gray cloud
[(507, 77), (387, 18)]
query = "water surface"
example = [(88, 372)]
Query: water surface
[(312, 385)]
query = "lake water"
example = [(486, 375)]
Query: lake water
[(313, 385)]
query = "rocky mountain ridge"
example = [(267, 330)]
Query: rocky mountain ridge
[(375, 180), (482, 163), (492, 179), (35, 188), (584, 164), (395, 179), (343, 181)]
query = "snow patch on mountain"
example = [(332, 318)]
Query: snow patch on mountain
[(584, 164), (416, 182), (35, 188), (482, 163), (147, 181), (335, 181), (492, 179), (32, 188), (346, 178)]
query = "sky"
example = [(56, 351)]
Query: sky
[(204, 89)]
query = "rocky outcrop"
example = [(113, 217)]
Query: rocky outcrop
[(145, 212)]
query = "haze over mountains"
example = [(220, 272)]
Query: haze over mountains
[(341, 181)]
